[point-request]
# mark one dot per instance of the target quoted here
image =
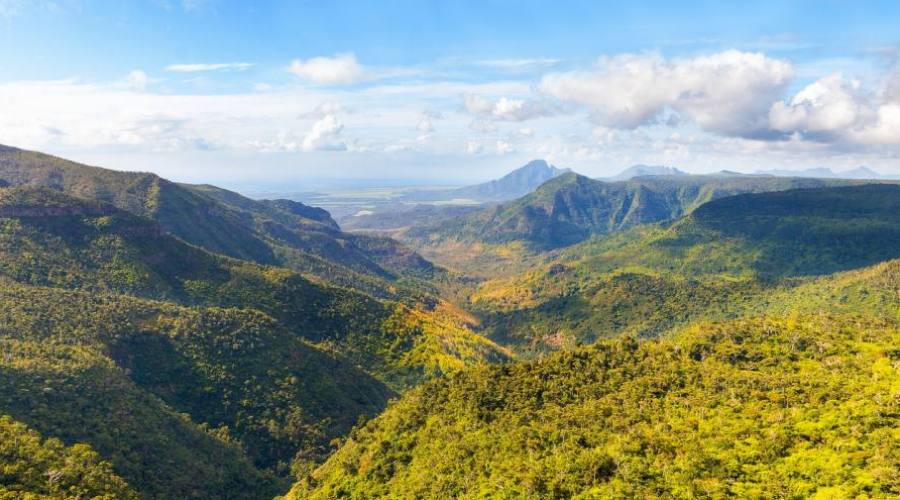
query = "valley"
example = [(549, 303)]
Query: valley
[(602, 338)]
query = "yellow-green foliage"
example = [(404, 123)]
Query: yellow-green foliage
[(731, 256), (756, 408), (32, 468)]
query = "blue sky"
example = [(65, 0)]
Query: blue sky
[(304, 92)]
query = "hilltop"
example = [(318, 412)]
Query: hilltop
[(571, 207), (727, 257), (279, 232)]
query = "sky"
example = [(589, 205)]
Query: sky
[(270, 94)]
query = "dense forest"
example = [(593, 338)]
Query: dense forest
[(663, 336)]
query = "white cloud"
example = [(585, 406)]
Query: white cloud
[(516, 65), (483, 126), (837, 110), (325, 136), (195, 68), (474, 148), (504, 108), (323, 109), (523, 133), (341, 69), (727, 93), (504, 147), (137, 80), (396, 148), (425, 125)]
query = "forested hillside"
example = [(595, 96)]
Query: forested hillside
[(758, 408), (237, 392), (280, 232), (39, 469), (571, 207), (727, 257), (714, 341)]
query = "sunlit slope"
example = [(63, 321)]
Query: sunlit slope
[(753, 408), (279, 232), (571, 208), (39, 469), (728, 257), (48, 238)]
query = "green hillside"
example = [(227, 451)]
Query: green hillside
[(38, 469), (803, 407), (727, 257), (50, 239), (571, 208), (278, 232), (249, 383)]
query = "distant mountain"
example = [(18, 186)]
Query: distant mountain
[(519, 182), (571, 207), (861, 172), (643, 170)]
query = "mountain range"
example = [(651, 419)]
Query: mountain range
[(861, 172), (643, 170), (663, 335), (571, 208)]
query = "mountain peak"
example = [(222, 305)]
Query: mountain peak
[(515, 184), (644, 170), (537, 167), (860, 172)]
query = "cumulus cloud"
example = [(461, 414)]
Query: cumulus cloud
[(504, 147), (425, 125), (504, 108), (200, 67), (727, 93), (341, 69), (522, 133), (137, 80), (474, 148), (835, 109), (323, 109), (483, 126), (325, 136)]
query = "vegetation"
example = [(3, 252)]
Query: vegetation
[(243, 388), (34, 468), (278, 232), (116, 252), (728, 258), (759, 408), (571, 208), (170, 341)]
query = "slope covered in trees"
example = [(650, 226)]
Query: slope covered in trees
[(756, 408), (50, 239), (279, 232), (571, 207), (38, 469), (727, 257), (244, 387)]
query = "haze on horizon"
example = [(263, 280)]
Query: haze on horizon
[(279, 92)]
